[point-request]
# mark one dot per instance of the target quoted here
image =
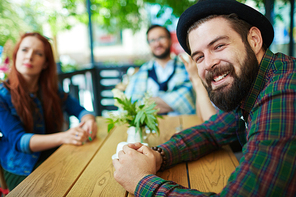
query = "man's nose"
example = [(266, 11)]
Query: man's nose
[(210, 61)]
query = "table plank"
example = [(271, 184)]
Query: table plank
[(55, 176), (190, 121), (211, 172), (97, 179)]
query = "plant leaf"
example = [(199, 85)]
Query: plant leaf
[(110, 127)]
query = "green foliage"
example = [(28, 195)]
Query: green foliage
[(115, 15), (134, 114), (178, 6), (68, 68), (18, 17), (112, 15), (14, 19)]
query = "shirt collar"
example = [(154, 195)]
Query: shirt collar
[(248, 103), (152, 62), (169, 63)]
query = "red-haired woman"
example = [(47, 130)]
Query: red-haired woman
[(31, 111)]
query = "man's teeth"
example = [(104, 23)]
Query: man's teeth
[(220, 77)]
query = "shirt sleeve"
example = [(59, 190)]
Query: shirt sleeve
[(12, 127), (137, 85), (73, 107), (152, 185), (129, 88), (83, 113), (180, 95), (195, 142), (24, 144)]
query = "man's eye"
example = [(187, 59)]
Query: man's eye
[(198, 58), (219, 46)]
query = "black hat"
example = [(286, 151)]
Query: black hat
[(204, 8)]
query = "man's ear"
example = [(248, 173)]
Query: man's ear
[(255, 39)]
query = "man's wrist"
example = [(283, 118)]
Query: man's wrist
[(163, 159)]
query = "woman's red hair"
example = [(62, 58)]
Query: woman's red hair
[(48, 87)]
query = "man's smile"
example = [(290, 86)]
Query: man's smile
[(220, 77)]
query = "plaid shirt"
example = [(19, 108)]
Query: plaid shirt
[(179, 96), (268, 165)]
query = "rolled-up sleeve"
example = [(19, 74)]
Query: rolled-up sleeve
[(25, 143), (83, 113)]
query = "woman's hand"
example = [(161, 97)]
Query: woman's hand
[(86, 130), (76, 135), (90, 126)]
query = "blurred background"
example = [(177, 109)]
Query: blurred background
[(99, 44)]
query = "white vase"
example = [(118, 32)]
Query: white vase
[(133, 136)]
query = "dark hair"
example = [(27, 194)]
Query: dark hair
[(48, 82), (238, 25), (154, 26)]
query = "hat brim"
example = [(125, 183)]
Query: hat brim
[(206, 8)]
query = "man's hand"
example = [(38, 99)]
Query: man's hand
[(192, 70), (133, 164), (139, 147), (161, 105)]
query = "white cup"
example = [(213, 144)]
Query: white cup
[(120, 147)]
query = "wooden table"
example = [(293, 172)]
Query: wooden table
[(88, 171)]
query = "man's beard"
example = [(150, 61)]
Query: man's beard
[(164, 55), (228, 100)]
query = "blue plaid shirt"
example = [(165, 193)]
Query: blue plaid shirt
[(179, 96)]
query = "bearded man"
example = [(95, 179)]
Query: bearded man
[(164, 78), (256, 92)]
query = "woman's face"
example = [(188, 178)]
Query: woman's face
[(30, 58)]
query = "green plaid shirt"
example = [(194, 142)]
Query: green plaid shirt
[(268, 165)]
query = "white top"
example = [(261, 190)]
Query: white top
[(162, 75)]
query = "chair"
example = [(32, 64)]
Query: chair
[(99, 80), (3, 187), (107, 77)]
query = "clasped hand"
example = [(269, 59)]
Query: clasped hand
[(134, 162), (85, 131)]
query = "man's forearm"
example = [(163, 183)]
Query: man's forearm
[(161, 105)]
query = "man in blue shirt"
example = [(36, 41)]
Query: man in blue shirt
[(164, 78)]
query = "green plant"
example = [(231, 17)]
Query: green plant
[(134, 114)]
